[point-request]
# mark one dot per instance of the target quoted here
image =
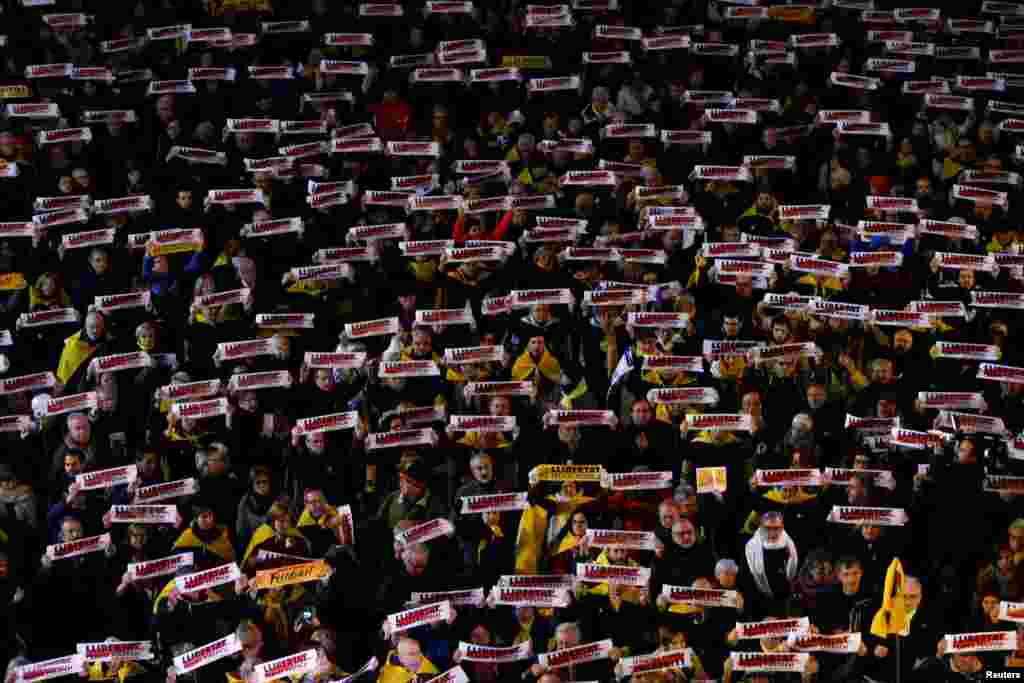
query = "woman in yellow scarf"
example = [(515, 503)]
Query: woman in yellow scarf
[(204, 534), (48, 292), (406, 664), (79, 349), (538, 365), (279, 535), (552, 529), (536, 362)]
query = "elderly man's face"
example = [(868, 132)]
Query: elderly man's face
[(79, 429), (483, 469), (683, 533), (422, 344), (95, 326), (726, 579), (70, 530), (567, 637), (911, 595), (247, 272), (100, 262)]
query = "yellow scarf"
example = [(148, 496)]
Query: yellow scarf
[(174, 434), (532, 534), (549, 367), (10, 281), (37, 300), (423, 271), (220, 546), (396, 673), (789, 495), (76, 352), (567, 544), (306, 518), (212, 595), (822, 286), (274, 603), (524, 632), (680, 380), (264, 533), (476, 440)]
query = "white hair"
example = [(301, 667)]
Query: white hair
[(725, 565), (568, 626)]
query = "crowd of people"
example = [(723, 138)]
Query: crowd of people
[(505, 342)]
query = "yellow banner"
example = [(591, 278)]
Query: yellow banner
[(13, 92), (569, 472), (9, 281), (712, 480), (219, 7), (801, 15), (293, 573), (173, 248), (526, 61)]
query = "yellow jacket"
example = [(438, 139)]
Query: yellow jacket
[(220, 546), (394, 672), (525, 367), (263, 533)]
